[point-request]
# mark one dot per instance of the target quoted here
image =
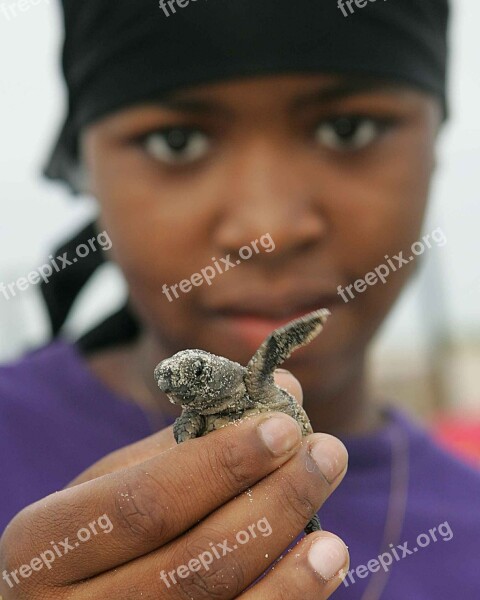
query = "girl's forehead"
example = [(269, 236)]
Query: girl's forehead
[(327, 84), (144, 53), (291, 93)]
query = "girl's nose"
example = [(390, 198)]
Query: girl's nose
[(270, 194)]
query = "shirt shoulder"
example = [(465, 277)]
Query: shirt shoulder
[(437, 472), (55, 380), (56, 419)]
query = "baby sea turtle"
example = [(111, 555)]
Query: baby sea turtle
[(214, 391)]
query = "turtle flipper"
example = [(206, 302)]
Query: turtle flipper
[(280, 345), (188, 426), (313, 525)]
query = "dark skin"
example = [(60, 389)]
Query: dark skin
[(263, 158)]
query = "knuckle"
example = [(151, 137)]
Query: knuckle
[(224, 580), (230, 462), (296, 502), (141, 515), (218, 576)]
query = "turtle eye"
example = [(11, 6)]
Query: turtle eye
[(198, 368)]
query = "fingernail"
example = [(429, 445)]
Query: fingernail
[(280, 434), (330, 456), (283, 371), (327, 557)]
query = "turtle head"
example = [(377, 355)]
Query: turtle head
[(199, 380)]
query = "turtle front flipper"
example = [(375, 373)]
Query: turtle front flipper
[(313, 525), (279, 346), (188, 426)]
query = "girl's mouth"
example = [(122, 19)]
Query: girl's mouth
[(253, 327)]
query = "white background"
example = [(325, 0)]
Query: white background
[(444, 300)]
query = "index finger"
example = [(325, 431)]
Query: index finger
[(151, 503), (286, 380)]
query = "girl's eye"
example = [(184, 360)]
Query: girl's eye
[(349, 133), (177, 145)]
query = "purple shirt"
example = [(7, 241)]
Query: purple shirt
[(56, 419)]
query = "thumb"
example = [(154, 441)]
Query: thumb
[(286, 380)]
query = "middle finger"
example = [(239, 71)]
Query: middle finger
[(214, 560)]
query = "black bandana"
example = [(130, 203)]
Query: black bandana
[(121, 52)]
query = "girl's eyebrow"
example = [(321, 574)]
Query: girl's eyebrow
[(326, 94), (195, 106), (342, 90)]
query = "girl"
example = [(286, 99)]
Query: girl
[(304, 132)]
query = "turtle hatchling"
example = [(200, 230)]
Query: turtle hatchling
[(214, 391)]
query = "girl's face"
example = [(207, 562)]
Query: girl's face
[(236, 206)]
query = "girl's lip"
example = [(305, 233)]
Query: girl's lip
[(273, 307), (253, 329)]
